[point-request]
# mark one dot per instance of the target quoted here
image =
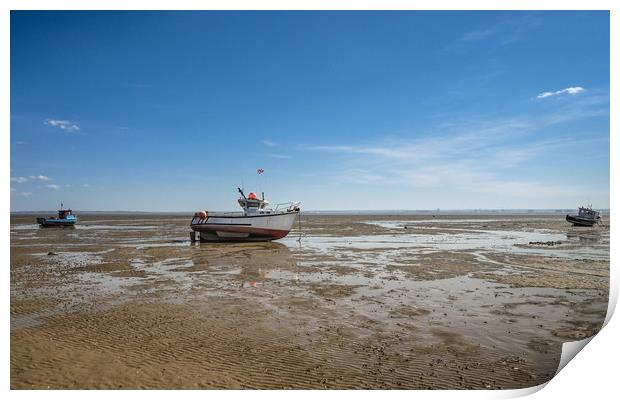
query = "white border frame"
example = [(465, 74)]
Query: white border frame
[(592, 373)]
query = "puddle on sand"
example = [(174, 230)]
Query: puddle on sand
[(88, 227), (516, 242), (23, 227), (75, 258), (411, 223)]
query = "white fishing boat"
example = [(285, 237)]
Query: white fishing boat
[(257, 221)]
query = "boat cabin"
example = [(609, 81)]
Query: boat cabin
[(252, 204), (62, 214), (588, 212)]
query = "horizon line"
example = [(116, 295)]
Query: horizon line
[(328, 211)]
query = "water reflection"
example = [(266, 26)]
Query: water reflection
[(585, 237), (249, 263)]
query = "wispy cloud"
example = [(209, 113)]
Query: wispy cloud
[(40, 177), (517, 30), (136, 85), (568, 90), (269, 143), (68, 126), (280, 156), (468, 39), (473, 137), (504, 32), (477, 156), (19, 179), (52, 186), (24, 194), (22, 179)]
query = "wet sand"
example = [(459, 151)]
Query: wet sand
[(362, 301)]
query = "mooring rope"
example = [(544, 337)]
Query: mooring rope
[(299, 220)]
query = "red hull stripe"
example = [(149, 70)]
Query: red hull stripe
[(212, 228)]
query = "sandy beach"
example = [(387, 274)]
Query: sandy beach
[(361, 301)]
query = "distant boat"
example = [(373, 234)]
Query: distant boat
[(257, 222), (586, 217), (64, 218)]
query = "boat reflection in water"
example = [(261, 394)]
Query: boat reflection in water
[(250, 264), (587, 237)]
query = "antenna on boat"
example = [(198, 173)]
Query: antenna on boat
[(242, 194)]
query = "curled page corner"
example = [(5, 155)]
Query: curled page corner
[(515, 393), (613, 299), (570, 350)]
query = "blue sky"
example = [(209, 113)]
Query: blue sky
[(171, 111)]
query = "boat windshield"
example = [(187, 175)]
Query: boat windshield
[(63, 213), (587, 212), (253, 205)]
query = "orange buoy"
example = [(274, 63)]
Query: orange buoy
[(252, 196)]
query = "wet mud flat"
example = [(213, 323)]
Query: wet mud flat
[(361, 301)]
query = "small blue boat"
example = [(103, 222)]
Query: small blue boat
[(64, 218)]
